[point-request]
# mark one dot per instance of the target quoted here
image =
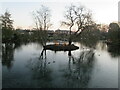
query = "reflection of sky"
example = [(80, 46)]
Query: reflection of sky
[(103, 11), (103, 71)]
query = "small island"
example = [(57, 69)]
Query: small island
[(60, 47)]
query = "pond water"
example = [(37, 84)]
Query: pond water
[(24, 66)]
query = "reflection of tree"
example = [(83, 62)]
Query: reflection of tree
[(42, 55), (7, 55), (101, 46), (89, 43), (41, 73), (79, 72), (17, 45), (114, 50)]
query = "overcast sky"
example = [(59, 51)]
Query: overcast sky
[(104, 11)]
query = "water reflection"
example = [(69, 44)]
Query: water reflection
[(101, 46), (89, 43), (43, 54), (8, 50), (40, 70), (77, 73), (79, 70), (7, 55), (114, 50), (49, 69)]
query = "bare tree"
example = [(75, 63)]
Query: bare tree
[(42, 18), (84, 18), (42, 21), (77, 16), (35, 18), (70, 16)]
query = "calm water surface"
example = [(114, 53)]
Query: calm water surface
[(24, 66)]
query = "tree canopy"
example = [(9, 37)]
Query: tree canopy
[(7, 22), (114, 32), (79, 17), (7, 26)]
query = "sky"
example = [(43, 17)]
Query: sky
[(104, 11)]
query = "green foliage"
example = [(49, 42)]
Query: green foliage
[(7, 26), (114, 33), (7, 35), (6, 21)]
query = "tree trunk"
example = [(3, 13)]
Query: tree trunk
[(70, 41)]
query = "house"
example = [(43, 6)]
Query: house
[(20, 31), (58, 31), (50, 33)]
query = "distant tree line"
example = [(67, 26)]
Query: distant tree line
[(87, 29)]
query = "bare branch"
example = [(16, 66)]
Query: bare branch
[(42, 18)]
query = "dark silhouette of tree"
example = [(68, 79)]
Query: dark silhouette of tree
[(42, 22), (114, 33), (114, 50), (78, 72), (70, 16), (6, 21), (77, 16), (42, 18), (40, 71), (7, 26), (90, 36), (84, 19), (7, 55)]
